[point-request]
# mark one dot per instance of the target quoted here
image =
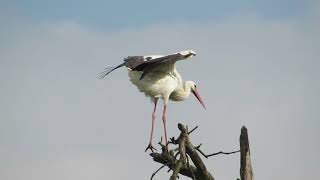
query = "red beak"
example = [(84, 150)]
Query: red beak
[(196, 94)]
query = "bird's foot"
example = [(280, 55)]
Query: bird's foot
[(150, 146)]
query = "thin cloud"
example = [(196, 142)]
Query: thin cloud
[(262, 74)]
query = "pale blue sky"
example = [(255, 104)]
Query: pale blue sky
[(122, 14), (257, 65)]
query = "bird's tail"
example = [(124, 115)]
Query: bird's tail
[(108, 70)]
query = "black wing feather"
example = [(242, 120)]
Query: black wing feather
[(140, 63), (152, 64), (108, 70), (133, 62)]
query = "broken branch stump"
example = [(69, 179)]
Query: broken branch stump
[(245, 160)]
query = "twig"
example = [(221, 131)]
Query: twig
[(221, 152), (197, 147), (213, 154), (153, 174), (192, 130)]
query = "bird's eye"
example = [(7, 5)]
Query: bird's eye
[(195, 86)]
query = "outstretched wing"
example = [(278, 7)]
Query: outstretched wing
[(147, 64), (132, 62)]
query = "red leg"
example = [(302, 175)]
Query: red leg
[(150, 146), (164, 124), (153, 119)]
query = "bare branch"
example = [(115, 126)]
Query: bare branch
[(182, 159), (221, 152), (169, 160), (214, 154), (183, 166), (153, 174), (192, 130)]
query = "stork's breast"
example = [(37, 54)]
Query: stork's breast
[(152, 85)]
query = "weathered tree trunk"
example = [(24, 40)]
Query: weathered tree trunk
[(185, 149), (182, 166), (245, 160)]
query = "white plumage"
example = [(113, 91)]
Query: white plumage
[(157, 77)]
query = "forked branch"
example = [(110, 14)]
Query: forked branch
[(182, 166), (178, 159)]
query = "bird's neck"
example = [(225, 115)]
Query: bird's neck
[(182, 93)]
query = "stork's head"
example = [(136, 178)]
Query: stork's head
[(193, 88), (187, 53)]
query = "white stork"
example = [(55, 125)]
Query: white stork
[(157, 77)]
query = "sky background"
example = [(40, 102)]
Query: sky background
[(257, 65)]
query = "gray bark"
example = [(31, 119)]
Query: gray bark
[(246, 172)]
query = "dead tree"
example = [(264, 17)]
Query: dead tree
[(245, 160), (185, 151)]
